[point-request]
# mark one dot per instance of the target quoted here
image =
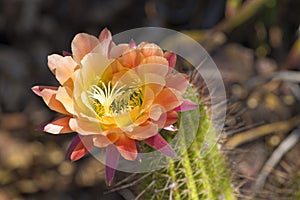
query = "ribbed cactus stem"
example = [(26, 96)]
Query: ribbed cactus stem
[(186, 163), (175, 190), (198, 174)]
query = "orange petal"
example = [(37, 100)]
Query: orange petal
[(63, 67), (172, 117), (152, 73), (49, 96), (126, 147), (83, 44), (155, 59), (138, 116), (150, 49), (168, 99), (153, 68), (65, 96), (156, 89), (171, 57), (131, 59), (57, 126)]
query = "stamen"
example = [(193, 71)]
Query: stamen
[(108, 100)]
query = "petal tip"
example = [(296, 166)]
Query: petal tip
[(186, 105), (110, 174), (36, 90), (159, 143), (132, 44), (105, 34)]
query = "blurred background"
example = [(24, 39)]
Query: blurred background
[(255, 44)]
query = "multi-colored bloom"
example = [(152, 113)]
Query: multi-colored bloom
[(114, 96)]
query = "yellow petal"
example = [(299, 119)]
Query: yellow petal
[(156, 111), (93, 66)]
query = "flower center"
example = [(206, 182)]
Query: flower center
[(111, 100)]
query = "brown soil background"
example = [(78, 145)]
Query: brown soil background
[(250, 50)]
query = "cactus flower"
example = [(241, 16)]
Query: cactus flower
[(113, 96)]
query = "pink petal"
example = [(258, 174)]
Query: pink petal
[(132, 44), (159, 143), (78, 148), (72, 146), (83, 44), (62, 67), (177, 81), (112, 158), (105, 35), (106, 43), (48, 94), (118, 50), (171, 57), (66, 53), (138, 151), (57, 126), (186, 105)]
